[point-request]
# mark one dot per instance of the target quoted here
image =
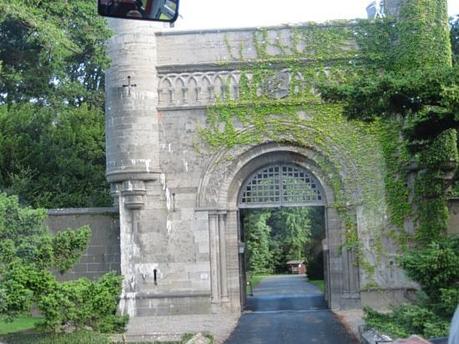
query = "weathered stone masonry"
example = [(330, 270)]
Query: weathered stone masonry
[(178, 205)]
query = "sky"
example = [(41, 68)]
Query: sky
[(204, 14)]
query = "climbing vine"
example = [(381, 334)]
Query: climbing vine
[(420, 90), (279, 101), (376, 100)]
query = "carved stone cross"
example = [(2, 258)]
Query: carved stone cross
[(129, 85)]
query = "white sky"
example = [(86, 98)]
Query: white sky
[(201, 14)]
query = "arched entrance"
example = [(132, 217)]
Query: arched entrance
[(272, 175), (277, 189)]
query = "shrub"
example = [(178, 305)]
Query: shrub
[(28, 254), (83, 304), (406, 320)]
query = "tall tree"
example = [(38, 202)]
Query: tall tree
[(455, 38), (52, 62), (257, 239)]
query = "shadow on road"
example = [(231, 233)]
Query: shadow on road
[(285, 309)]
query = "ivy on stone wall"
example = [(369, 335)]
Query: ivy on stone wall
[(358, 89), (279, 101)]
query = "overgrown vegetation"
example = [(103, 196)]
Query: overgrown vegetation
[(28, 256), (52, 62), (419, 89), (397, 89)]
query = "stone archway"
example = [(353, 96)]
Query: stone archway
[(280, 185), (219, 196)]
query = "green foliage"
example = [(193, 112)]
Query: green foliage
[(28, 254), (436, 268), (257, 239), (52, 60), (424, 38), (442, 153), (52, 52), (83, 303), (274, 236), (53, 158), (454, 22), (78, 337), (406, 320), (68, 246), (293, 232), (427, 99)]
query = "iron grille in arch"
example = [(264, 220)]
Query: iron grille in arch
[(281, 185)]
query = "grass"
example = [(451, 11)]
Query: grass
[(254, 281), (79, 337), (319, 284), (19, 324)]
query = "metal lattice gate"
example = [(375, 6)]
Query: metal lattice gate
[(281, 185)]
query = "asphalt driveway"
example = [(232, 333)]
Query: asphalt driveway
[(286, 309)]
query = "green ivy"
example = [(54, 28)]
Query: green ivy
[(387, 101)]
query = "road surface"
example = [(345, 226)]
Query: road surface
[(285, 309)]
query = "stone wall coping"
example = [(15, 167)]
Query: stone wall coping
[(179, 32), (153, 295), (82, 211)]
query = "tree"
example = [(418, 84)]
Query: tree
[(415, 87), (52, 52), (454, 22), (29, 254), (52, 62), (293, 231), (257, 238), (53, 159)]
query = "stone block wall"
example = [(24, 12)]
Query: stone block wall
[(453, 221), (103, 253)]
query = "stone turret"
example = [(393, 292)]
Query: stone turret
[(132, 142), (131, 99)]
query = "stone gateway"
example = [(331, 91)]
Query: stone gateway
[(179, 196)]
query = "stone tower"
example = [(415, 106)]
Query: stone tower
[(132, 141)]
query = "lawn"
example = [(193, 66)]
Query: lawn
[(16, 333), (319, 284), (81, 337), (19, 324)]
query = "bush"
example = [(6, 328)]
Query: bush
[(83, 303), (407, 320), (434, 267), (28, 254)]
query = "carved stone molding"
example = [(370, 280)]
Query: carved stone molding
[(204, 88), (133, 192)]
